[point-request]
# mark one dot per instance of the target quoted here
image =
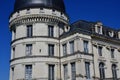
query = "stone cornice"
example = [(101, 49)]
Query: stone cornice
[(34, 18)]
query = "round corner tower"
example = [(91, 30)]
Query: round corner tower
[(36, 26)]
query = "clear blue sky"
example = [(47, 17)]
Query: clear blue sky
[(107, 11)]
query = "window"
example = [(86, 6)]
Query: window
[(114, 71), (51, 72), (87, 69), (99, 30), (13, 52), (102, 71), (28, 72), (14, 33), (72, 47), (64, 49), (100, 51), (112, 53), (28, 49), (51, 49), (73, 71), (12, 73), (85, 43), (50, 31), (29, 30), (65, 71)]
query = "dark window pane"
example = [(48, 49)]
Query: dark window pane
[(50, 31), (73, 71), (28, 72), (87, 67), (100, 51), (64, 49), (102, 71), (65, 71), (51, 49), (85, 43), (72, 47), (28, 49), (51, 72), (29, 30)]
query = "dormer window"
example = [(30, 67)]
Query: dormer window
[(66, 28), (119, 34), (98, 28), (41, 10), (111, 33), (28, 11)]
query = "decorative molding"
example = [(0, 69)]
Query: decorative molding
[(35, 18)]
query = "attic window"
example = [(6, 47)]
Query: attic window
[(111, 33), (98, 28), (53, 10), (28, 11), (41, 8)]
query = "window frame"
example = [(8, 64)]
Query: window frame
[(29, 48), (29, 30), (102, 70), (112, 51), (86, 46), (64, 49), (73, 71), (51, 74), (51, 49), (28, 72), (50, 30), (100, 50), (87, 69), (114, 71), (72, 49)]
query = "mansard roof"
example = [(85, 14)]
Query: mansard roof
[(88, 28)]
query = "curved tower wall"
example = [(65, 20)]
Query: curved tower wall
[(30, 46)]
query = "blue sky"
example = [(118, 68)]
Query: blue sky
[(106, 11)]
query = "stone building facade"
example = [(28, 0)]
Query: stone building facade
[(46, 47)]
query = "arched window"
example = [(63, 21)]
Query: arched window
[(114, 71), (102, 71)]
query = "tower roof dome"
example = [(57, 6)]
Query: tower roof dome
[(52, 4)]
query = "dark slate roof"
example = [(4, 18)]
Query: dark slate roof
[(53, 4), (88, 28), (83, 25)]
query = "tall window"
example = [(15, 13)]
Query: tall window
[(51, 72), (114, 71), (102, 71), (100, 51), (64, 49), (50, 31), (29, 30), (85, 43), (28, 49), (12, 73), (99, 29), (13, 52), (112, 53), (14, 33), (65, 71), (51, 49), (28, 72), (87, 68), (72, 47), (73, 71)]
